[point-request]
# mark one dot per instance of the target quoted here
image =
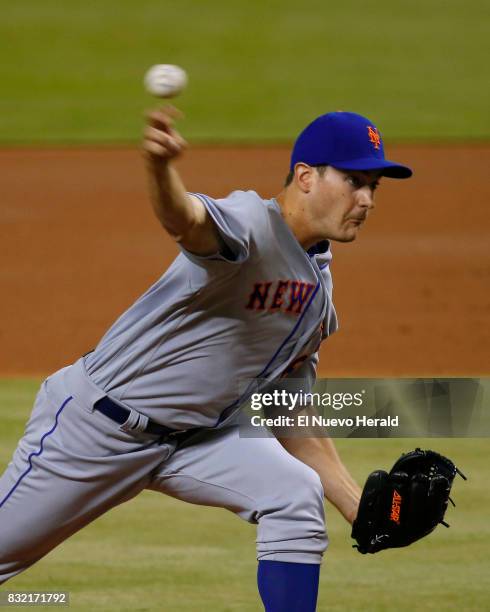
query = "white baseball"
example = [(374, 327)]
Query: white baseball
[(165, 80)]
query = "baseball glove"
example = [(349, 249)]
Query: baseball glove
[(405, 505)]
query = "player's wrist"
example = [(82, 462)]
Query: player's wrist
[(158, 165), (351, 515)]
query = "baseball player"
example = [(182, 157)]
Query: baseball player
[(155, 405)]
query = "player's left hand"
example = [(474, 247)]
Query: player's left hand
[(406, 504)]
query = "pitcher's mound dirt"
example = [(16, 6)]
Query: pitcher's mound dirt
[(79, 244)]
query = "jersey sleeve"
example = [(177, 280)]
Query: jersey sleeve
[(324, 259), (297, 386), (300, 380), (241, 221), (304, 377)]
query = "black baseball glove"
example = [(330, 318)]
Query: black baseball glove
[(405, 505)]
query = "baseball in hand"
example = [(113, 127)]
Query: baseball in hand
[(165, 80)]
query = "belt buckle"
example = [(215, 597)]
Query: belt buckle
[(175, 433)]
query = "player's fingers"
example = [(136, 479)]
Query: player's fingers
[(161, 136), (158, 129), (165, 150), (177, 137), (173, 142), (174, 112), (152, 133), (163, 117), (153, 149), (179, 140), (157, 152), (159, 120)]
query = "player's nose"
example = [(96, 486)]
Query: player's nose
[(365, 197)]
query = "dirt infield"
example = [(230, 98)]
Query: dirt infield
[(79, 243)]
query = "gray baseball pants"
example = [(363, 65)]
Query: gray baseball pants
[(73, 464)]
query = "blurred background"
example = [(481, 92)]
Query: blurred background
[(79, 244), (72, 72)]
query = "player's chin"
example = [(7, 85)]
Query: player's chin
[(348, 234)]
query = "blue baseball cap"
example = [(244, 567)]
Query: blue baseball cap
[(346, 141)]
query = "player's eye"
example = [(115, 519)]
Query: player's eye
[(354, 181)]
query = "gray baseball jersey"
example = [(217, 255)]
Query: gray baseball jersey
[(255, 310)]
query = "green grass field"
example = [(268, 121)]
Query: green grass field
[(72, 72), (156, 553)]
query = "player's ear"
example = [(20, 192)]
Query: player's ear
[(303, 176)]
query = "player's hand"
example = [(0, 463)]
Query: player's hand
[(161, 142)]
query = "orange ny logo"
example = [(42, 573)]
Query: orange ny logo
[(374, 137)]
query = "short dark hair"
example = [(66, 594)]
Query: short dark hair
[(290, 176)]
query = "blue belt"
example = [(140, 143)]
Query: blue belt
[(120, 415)]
